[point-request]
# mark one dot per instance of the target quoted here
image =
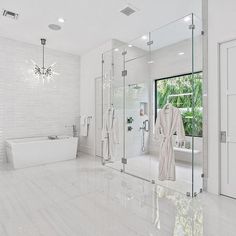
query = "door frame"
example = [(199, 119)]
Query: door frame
[(219, 45)]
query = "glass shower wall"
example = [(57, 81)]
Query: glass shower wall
[(198, 83), (171, 53), (113, 108), (139, 78), (137, 102)]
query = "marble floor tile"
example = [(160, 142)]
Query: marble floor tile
[(82, 198), (146, 166)]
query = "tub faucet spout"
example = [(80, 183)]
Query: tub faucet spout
[(74, 129)]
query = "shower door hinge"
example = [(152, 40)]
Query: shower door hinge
[(202, 175), (149, 43), (102, 61), (192, 27), (124, 73), (202, 33), (124, 161), (124, 53)]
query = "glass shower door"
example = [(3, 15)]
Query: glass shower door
[(113, 109), (198, 120), (171, 54), (137, 107)]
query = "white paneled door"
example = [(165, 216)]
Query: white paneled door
[(228, 118)]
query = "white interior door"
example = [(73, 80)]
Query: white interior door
[(228, 118)]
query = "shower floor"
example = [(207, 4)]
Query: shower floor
[(146, 166)]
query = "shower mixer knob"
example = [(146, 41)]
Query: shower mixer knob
[(130, 120), (130, 128)]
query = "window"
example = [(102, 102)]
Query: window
[(178, 90)]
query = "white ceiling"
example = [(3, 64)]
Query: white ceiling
[(88, 23)]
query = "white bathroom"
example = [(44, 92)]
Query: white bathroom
[(109, 123)]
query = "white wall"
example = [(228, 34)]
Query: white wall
[(91, 68), (31, 108), (169, 63), (221, 27)]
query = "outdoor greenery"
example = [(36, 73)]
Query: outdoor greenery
[(185, 93)]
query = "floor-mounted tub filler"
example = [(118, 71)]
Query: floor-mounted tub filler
[(26, 152)]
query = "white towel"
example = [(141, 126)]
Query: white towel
[(84, 126), (110, 134)]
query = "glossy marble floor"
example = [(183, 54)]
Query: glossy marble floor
[(146, 166), (81, 197)]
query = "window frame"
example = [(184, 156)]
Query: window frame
[(171, 77)]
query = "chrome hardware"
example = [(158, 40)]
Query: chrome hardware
[(223, 136), (191, 27), (149, 43), (145, 126), (130, 128), (130, 120), (74, 129), (124, 73)]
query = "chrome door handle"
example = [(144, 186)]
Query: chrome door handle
[(223, 136)]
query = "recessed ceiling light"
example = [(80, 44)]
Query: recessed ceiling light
[(150, 62), (54, 27), (130, 45), (116, 49), (144, 37), (187, 18), (61, 20), (181, 53)]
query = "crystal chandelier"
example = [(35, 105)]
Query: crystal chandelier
[(46, 74)]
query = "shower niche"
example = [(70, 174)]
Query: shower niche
[(143, 108), (129, 89)]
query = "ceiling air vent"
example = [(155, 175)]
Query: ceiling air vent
[(10, 14), (129, 10)]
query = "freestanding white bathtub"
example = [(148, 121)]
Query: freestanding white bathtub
[(26, 152)]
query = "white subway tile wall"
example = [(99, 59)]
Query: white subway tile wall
[(27, 106)]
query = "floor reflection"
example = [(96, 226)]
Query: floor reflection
[(166, 211), (82, 197), (188, 217)]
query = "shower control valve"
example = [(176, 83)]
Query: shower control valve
[(130, 120), (130, 128)]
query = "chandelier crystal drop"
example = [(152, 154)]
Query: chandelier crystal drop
[(43, 73)]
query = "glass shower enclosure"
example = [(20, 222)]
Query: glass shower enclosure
[(138, 79)]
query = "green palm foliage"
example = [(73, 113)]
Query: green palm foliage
[(190, 104)]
